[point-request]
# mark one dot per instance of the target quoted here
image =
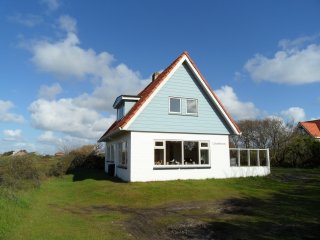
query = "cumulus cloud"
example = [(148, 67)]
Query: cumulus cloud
[(49, 92), (67, 23), (295, 63), (64, 116), (28, 20), (65, 58), (238, 110), (294, 114), (6, 116), (52, 5), (12, 135)]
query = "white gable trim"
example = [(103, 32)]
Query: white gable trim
[(216, 102), (184, 58)]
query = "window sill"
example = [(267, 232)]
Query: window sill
[(120, 166), (191, 166)]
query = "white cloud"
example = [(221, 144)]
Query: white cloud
[(66, 59), (28, 20), (49, 92), (52, 5), (6, 116), (294, 114), (66, 117), (67, 23), (293, 64), (238, 110), (12, 135)]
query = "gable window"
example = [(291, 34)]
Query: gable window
[(192, 106), (174, 105)]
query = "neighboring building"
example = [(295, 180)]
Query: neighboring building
[(311, 128), (176, 128)]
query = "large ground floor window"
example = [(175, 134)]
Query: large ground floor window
[(181, 152)]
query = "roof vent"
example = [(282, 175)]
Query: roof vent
[(155, 75)]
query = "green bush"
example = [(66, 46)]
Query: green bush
[(20, 173), (83, 157), (302, 151)]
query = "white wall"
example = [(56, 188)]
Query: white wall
[(123, 173), (142, 159)]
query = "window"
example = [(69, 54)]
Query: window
[(112, 149), (159, 153), (173, 152), (174, 105), (120, 112), (191, 152), (122, 154), (108, 153), (204, 153), (194, 153), (192, 106)]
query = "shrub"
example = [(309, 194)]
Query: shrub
[(20, 173), (83, 157), (302, 151)]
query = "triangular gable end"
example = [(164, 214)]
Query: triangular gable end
[(185, 58)]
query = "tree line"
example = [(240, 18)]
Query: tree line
[(289, 147)]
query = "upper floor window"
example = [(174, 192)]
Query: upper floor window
[(192, 106), (174, 105), (183, 106)]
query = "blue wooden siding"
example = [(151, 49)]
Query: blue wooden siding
[(128, 105), (183, 83)]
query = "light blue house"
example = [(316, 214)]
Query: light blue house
[(176, 128)]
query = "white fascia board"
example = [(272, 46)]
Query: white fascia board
[(121, 98), (212, 97), (155, 92)]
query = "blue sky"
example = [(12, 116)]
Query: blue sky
[(64, 62)]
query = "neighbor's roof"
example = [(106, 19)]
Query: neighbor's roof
[(312, 127), (147, 92)]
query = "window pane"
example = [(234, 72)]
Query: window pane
[(173, 152), (192, 106), (204, 156), (191, 152), (175, 105), (204, 144), (159, 144), (159, 156)]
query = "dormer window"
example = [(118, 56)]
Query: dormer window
[(120, 112), (123, 104)]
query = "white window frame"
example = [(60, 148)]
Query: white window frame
[(163, 147), (204, 148), (182, 165), (192, 99), (119, 150), (169, 108)]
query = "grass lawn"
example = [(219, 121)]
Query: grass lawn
[(87, 205)]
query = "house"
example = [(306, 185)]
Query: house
[(176, 128), (311, 128)]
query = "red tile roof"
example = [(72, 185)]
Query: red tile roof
[(148, 90), (312, 127)]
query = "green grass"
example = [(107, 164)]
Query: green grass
[(87, 205)]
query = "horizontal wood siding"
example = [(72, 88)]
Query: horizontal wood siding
[(127, 106), (155, 116)]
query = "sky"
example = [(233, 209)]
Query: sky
[(63, 62)]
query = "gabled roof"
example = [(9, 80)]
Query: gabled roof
[(312, 127), (147, 92)]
